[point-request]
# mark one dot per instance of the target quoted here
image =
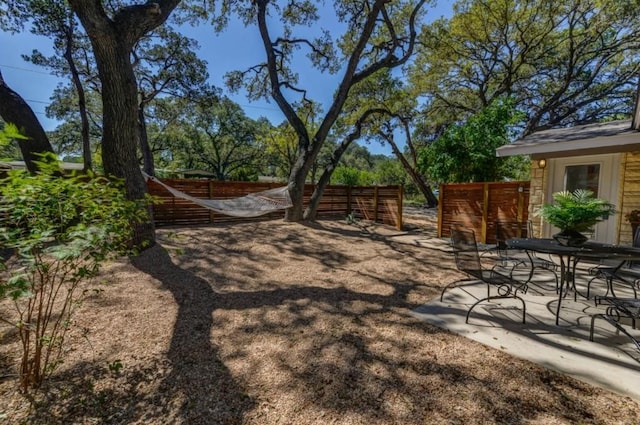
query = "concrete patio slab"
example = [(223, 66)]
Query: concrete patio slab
[(611, 361)]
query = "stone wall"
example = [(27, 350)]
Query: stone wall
[(629, 194), (537, 192)]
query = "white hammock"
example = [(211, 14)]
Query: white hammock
[(251, 205)]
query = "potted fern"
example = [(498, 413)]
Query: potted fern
[(573, 213), (633, 217)]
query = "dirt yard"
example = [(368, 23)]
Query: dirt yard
[(277, 323)]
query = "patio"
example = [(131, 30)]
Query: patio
[(611, 361)]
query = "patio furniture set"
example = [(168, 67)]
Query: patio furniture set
[(515, 249)]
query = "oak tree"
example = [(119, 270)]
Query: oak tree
[(113, 36), (377, 34)]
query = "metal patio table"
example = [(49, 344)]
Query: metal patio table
[(569, 256)]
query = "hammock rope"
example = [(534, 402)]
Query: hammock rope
[(251, 205)]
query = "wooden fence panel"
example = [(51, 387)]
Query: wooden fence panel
[(478, 206), (381, 204)]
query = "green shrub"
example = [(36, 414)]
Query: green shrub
[(55, 232)]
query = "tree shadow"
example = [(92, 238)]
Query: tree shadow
[(198, 377), (343, 352), (357, 378)]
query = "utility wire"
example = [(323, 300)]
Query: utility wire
[(266, 108), (38, 101), (27, 69)]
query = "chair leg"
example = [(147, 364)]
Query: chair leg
[(589, 286), (555, 274), (593, 319), (633, 288), (610, 287), (530, 274), (454, 284), (524, 306), (615, 324)]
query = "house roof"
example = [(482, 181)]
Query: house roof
[(590, 139)]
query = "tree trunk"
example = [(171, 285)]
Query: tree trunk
[(312, 209), (112, 40), (309, 147), (297, 180), (14, 110), (417, 179), (147, 157), (82, 104), (121, 132)]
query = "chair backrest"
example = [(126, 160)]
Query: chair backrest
[(465, 250), (635, 244), (510, 230)]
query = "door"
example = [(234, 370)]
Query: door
[(597, 173)]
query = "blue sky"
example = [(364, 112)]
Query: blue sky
[(236, 48)]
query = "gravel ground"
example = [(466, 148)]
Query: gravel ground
[(282, 323)]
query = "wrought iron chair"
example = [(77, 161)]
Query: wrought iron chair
[(467, 259), (513, 259), (627, 273), (618, 309)]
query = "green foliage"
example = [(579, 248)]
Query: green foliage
[(351, 219), (115, 367), (220, 138), (8, 133), (564, 61), (578, 211), (351, 176), (390, 171), (59, 230), (466, 152)]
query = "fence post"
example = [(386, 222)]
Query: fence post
[(400, 200), (173, 210), (485, 213), (348, 199), (375, 204), (521, 203), (211, 213), (440, 208)]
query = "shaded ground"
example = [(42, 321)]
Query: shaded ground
[(278, 323)]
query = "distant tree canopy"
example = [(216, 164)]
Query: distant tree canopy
[(377, 35), (466, 152), (564, 62), (420, 88), (223, 140)]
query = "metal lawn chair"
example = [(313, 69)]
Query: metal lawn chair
[(618, 311), (467, 259), (626, 273), (512, 259)]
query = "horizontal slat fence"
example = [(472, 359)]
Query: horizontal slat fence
[(382, 204), (478, 206)]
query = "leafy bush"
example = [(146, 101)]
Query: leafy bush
[(466, 152), (55, 232), (351, 176)]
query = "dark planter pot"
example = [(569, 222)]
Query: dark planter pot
[(570, 238)]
